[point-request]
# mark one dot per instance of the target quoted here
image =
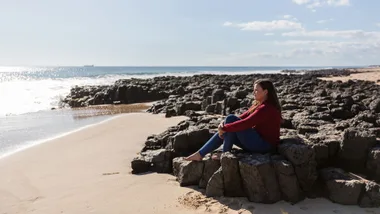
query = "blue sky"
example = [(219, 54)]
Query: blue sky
[(196, 32)]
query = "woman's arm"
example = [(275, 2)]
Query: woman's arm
[(259, 115)]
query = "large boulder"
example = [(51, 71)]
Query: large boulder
[(153, 160), (302, 156), (259, 179), (354, 149), (371, 195), (210, 167), (215, 185), (340, 187), (189, 141), (233, 186), (373, 163), (188, 173), (287, 180)]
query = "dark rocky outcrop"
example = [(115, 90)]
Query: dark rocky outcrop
[(329, 135)]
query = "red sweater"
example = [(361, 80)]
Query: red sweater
[(266, 120)]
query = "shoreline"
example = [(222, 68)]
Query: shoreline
[(76, 171), (31, 144), (87, 116)]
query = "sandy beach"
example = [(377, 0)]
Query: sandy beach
[(89, 172), (367, 74)]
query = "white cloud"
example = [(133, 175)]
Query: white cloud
[(347, 34), (321, 3), (301, 1), (290, 17), (227, 24), (318, 47), (338, 2), (267, 25), (324, 21), (269, 34), (378, 24)]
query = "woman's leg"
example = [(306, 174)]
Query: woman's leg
[(212, 144), (248, 139), (230, 138)]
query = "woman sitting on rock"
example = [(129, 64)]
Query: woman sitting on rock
[(256, 130)]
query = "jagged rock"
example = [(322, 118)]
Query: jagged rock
[(287, 180), (259, 179), (189, 141), (181, 108), (303, 159), (210, 167), (215, 185), (354, 149), (217, 95), (321, 153), (373, 163), (170, 112), (188, 172), (375, 105), (233, 186), (371, 195), (341, 188), (153, 160)]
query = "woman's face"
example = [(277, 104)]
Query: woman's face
[(259, 94)]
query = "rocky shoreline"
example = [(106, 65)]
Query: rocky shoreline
[(329, 136)]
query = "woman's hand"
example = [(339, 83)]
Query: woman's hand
[(220, 131), (221, 125)]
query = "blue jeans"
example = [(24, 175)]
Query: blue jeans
[(248, 140)]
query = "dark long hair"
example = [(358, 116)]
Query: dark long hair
[(272, 97)]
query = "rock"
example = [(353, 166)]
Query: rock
[(217, 95), (373, 163), (170, 112), (210, 108), (189, 141), (375, 105), (340, 187), (210, 167), (287, 180), (233, 186), (188, 172), (259, 179), (303, 159), (181, 108), (153, 160), (321, 153), (341, 113), (215, 185), (302, 129), (371, 195), (354, 149)]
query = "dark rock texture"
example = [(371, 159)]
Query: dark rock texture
[(329, 135)]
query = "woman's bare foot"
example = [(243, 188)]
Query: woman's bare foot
[(194, 157), (216, 156)]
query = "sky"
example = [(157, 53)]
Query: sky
[(189, 33)]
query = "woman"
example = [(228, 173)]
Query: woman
[(256, 130)]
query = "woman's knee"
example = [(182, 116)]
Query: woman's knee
[(231, 118)]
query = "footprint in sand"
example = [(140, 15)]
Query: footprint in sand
[(111, 173)]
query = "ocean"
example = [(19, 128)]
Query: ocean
[(29, 93)]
